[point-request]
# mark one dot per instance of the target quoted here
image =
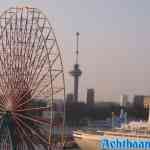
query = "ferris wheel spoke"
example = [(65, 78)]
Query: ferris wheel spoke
[(29, 51), (20, 134), (28, 142), (6, 24), (53, 78), (41, 90), (33, 109), (32, 46), (44, 122), (12, 137), (39, 41), (10, 48), (38, 93), (22, 65), (28, 41), (59, 72), (48, 92), (15, 63), (40, 81), (3, 99), (2, 102), (19, 100), (3, 73), (1, 129), (25, 46), (30, 99), (2, 82), (4, 66), (33, 131), (40, 61), (6, 59), (33, 73), (41, 67), (39, 38), (54, 60), (38, 84), (25, 28), (19, 51)]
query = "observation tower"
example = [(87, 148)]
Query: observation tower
[(76, 72)]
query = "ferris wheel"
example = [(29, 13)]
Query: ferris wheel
[(31, 81)]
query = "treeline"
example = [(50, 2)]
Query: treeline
[(77, 114)]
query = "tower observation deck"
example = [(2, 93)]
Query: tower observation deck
[(76, 72)]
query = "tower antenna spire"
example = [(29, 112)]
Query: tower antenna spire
[(77, 46), (76, 72)]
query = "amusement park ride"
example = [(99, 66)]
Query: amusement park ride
[(31, 70)]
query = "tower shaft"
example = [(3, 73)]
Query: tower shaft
[(76, 86)]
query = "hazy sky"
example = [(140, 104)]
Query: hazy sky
[(114, 42)]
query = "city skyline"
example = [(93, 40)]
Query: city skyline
[(114, 43)]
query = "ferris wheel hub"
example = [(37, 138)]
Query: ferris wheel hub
[(9, 106)]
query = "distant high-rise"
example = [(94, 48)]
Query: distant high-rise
[(76, 72), (138, 101), (147, 105), (146, 101), (90, 96), (70, 98), (123, 100)]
